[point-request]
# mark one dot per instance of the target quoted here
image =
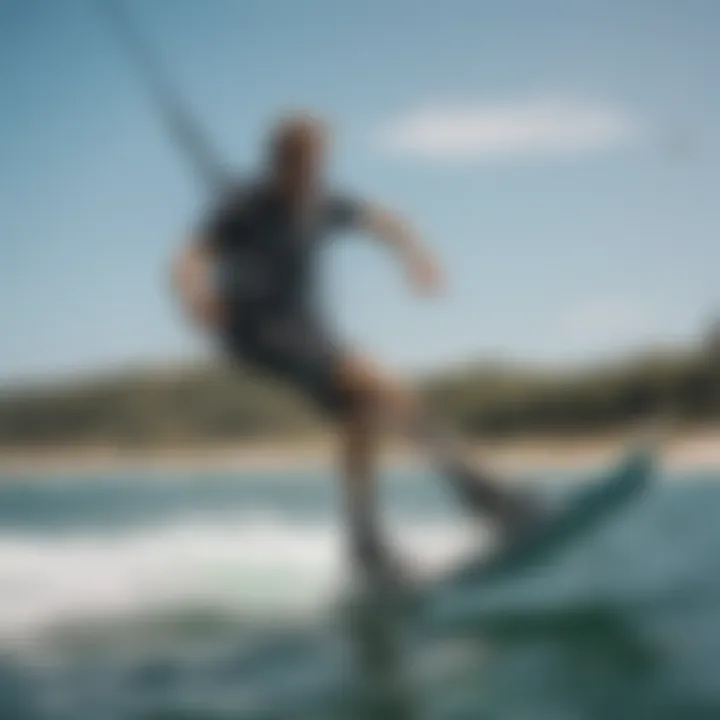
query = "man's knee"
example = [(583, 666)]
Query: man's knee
[(371, 391)]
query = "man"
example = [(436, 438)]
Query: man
[(249, 276)]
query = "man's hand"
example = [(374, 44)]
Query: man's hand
[(206, 311), (425, 275)]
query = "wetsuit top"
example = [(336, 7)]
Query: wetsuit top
[(267, 254)]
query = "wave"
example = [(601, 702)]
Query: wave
[(253, 566)]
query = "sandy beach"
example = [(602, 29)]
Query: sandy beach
[(684, 451)]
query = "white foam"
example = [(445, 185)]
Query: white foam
[(258, 565)]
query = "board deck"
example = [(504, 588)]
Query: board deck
[(581, 511)]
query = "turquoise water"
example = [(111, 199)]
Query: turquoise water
[(216, 597)]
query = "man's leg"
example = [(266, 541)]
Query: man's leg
[(370, 403), (360, 436), (377, 401)]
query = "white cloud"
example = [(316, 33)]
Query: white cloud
[(477, 133)]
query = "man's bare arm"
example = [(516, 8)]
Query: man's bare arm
[(396, 233), (193, 282)]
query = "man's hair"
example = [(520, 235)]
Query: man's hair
[(295, 130)]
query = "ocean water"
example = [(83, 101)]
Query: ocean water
[(216, 597)]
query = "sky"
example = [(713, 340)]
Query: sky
[(561, 157)]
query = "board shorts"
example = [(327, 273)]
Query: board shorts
[(295, 349)]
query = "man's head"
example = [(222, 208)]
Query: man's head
[(298, 149)]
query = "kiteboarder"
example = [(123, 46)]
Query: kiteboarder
[(249, 275)]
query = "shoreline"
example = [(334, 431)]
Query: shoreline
[(686, 451)]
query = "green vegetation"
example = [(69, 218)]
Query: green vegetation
[(508, 401), (198, 405), (145, 408)]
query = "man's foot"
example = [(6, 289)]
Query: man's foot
[(522, 515)]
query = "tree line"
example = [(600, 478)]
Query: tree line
[(204, 404)]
